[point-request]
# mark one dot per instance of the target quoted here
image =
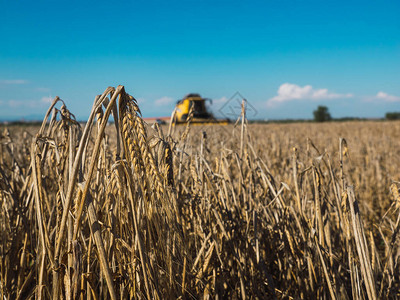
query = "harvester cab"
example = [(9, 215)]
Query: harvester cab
[(200, 112)]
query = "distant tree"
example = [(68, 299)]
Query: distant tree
[(321, 114), (392, 116)]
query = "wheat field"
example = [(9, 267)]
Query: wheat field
[(125, 210)]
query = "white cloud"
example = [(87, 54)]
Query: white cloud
[(221, 101), (47, 100), (163, 101), (386, 97), (15, 103), (44, 101), (140, 101), (290, 91), (13, 81)]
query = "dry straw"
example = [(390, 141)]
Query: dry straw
[(121, 211)]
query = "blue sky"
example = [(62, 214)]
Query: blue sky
[(285, 57)]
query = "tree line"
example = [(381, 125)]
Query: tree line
[(322, 114)]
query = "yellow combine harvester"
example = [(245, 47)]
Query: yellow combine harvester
[(200, 113)]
